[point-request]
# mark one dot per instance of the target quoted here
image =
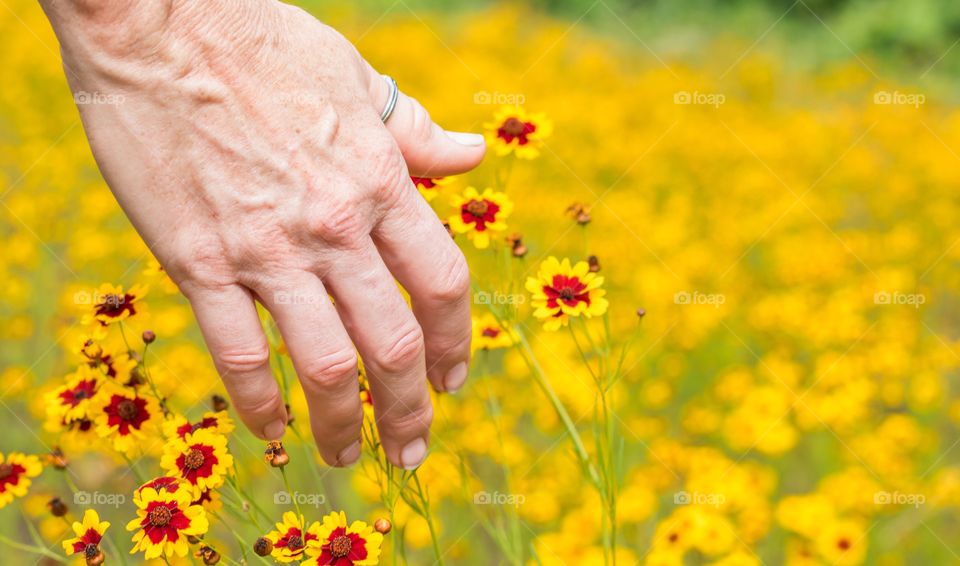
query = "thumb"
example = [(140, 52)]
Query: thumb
[(428, 149)]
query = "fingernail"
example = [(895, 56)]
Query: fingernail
[(275, 430), (464, 138), (349, 455), (453, 381), (413, 454)]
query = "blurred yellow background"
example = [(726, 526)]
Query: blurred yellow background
[(789, 227)]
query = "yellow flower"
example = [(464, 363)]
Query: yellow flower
[(164, 521), (290, 542), (89, 534), (110, 304), (179, 426), (131, 420), (15, 473), (341, 545), (429, 187), (200, 458), (515, 130), (561, 291), (477, 214), (842, 542), (74, 400), (488, 334)]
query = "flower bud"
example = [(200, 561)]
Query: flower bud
[(219, 403), (148, 336), (517, 246), (208, 555), (263, 546), (93, 555), (382, 526), (275, 454), (594, 264), (57, 507), (56, 458), (579, 212)]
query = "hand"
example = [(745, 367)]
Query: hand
[(249, 154)]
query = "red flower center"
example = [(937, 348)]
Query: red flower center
[(491, 332), (126, 413), (114, 305), (294, 542), (160, 516), (340, 546), (6, 470), (85, 389), (193, 459), (515, 129), (570, 290), (479, 213), (127, 410), (843, 544), (197, 462)]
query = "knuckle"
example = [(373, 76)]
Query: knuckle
[(405, 422), (454, 283), (243, 360), (331, 371), (200, 265), (421, 124), (387, 167), (403, 352), (254, 407), (341, 222)]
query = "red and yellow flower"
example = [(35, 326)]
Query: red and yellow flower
[(290, 541), (89, 534), (16, 469), (488, 334), (514, 130), (200, 458), (159, 484), (180, 427), (429, 187), (561, 291), (164, 521), (340, 545), (129, 419), (74, 400), (479, 214), (110, 304)]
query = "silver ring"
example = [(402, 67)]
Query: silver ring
[(391, 98)]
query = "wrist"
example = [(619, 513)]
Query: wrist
[(107, 36)]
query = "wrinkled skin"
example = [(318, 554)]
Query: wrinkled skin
[(244, 142)]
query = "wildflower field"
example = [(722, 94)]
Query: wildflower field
[(715, 319)]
